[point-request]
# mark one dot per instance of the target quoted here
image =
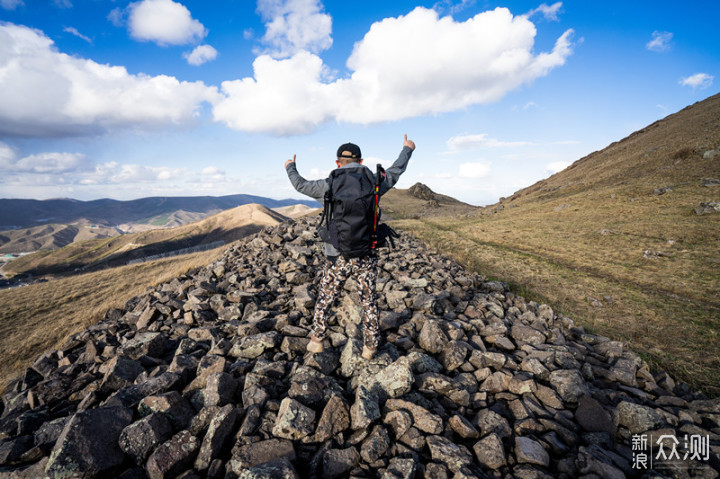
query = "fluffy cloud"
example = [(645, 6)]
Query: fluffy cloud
[(200, 54), (660, 41), (698, 81), (295, 25), (11, 4), (404, 67), (47, 93), (164, 22), (474, 170), (467, 142)]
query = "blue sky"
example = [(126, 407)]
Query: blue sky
[(120, 99)]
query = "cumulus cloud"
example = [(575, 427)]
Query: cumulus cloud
[(200, 54), (698, 81), (549, 12), (74, 31), (404, 67), (292, 26), (11, 4), (164, 22), (474, 170), (47, 93), (660, 41), (468, 142)]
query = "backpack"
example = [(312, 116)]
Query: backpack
[(351, 213)]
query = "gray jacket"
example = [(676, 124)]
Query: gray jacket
[(316, 188)]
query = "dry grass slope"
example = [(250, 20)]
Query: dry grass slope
[(39, 317), (600, 244)]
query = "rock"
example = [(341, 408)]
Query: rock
[(255, 345), (432, 338), (400, 468), (88, 445), (488, 421), (490, 452), (121, 372), (399, 421), (270, 470), (528, 451), (173, 456), (250, 455), (463, 427), (220, 389), (376, 444), (422, 418), (454, 456), (365, 409), (12, 450), (339, 462), (140, 438), (145, 344), (172, 404), (637, 418), (294, 421), (526, 334), (396, 379), (219, 431), (708, 208), (334, 419), (593, 417), (569, 384), (710, 182)]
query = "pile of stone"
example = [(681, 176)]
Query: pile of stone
[(207, 376)]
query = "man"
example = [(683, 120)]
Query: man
[(339, 268)]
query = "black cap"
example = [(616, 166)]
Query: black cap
[(352, 149)]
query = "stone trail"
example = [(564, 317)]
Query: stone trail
[(206, 376)]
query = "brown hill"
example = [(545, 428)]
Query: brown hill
[(223, 227), (419, 201), (51, 236), (617, 240)]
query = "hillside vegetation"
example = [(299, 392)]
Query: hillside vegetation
[(614, 241)]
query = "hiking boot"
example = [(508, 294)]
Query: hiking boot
[(315, 345), (368, 353)]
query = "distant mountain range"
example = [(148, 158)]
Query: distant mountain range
[(157, 211)]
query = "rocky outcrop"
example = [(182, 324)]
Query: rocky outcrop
[(207, 376)]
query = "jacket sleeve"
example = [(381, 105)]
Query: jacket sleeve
[(314, 189), (392, 174)]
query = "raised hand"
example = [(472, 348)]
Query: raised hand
[(409, 143), (292, 161)]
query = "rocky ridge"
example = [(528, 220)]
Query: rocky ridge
[(207, 376)]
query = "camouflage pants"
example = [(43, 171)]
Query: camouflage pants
[(365, 270)]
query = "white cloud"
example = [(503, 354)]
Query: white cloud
[(549, 12), (698, 81), (404, 67), (63, 3), (117, 16), (660, 41), (47, 93), (74, 31), (292, 26), (164, 22), (556, 166), (200, 54), (467, 142), (474, 170), (11, 4)]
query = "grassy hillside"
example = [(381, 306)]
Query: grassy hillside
[(226, 226), (614, 241), (38, 317)]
